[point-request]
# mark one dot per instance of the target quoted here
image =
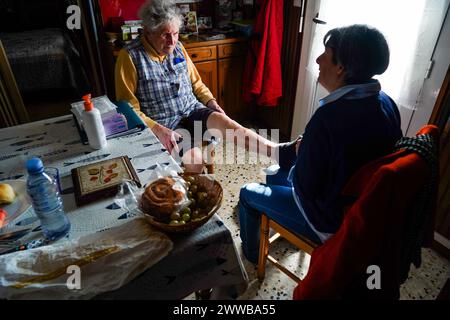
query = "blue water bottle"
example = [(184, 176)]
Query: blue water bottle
[(46, 201)]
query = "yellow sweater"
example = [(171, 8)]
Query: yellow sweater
[(126, 79)]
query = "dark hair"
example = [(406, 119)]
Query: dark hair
[(360, 49)]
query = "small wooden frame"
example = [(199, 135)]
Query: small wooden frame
[(102, 179)]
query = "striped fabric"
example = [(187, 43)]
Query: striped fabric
[(164, 90), (425, 146)]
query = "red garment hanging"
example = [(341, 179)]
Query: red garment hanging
[(262, 74)]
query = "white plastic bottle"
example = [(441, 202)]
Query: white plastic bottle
[(93, 125)]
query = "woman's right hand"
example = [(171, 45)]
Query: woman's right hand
[(297, 145), (167, 137)]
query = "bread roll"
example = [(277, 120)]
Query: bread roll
[(7, 194), (160, 199)]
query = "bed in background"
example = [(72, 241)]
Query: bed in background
[(44, 59)]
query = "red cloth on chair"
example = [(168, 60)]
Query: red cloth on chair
[(370, 233), (262, 74)]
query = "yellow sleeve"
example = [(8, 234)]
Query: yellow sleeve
[(200, 90), (125, 75)]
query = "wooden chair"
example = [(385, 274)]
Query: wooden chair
[(208, 159), (365, 181), (299, 241), (208, 152), (12, 108)]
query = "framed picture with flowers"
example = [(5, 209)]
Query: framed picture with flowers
[(101, 179)]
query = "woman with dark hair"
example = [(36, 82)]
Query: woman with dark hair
[(355, 123)]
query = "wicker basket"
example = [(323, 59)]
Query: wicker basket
[(215, 191)]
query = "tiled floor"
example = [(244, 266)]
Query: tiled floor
[(423, 283)]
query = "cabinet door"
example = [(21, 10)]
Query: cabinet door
[(208, 73), (230, 87), (232, 50)]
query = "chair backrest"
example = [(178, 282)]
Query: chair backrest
[(12, 108), (372, 233)]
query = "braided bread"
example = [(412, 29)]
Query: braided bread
[(160, 199)]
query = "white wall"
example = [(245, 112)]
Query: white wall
[(432, 85), (301, 112)]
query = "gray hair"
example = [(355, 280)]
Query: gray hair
[(156, 13)]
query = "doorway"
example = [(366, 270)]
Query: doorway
[(412, 29)]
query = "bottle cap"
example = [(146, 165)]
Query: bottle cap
[(88, 105), (35, 165)]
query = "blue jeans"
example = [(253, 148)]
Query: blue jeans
[(275, 199)]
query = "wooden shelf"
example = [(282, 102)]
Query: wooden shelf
[(196, 41), (193, 42)]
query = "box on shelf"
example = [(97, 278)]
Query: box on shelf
[(119, 118), (244, 27), (131, 29)]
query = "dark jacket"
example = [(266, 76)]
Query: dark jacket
[(380, 228), (340, 138)]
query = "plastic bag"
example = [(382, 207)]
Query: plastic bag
[(163, 194), (85, 267), (197, 195), (128, 197)]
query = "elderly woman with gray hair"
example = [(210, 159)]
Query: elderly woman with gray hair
[(156, 75)]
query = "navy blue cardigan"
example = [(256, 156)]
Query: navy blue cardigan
[(341, 137)]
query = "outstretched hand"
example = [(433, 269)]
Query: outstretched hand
[(167, 137), (212, 104), (297, 145)]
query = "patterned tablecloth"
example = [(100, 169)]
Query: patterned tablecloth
[(203, 259)]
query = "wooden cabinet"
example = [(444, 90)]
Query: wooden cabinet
[(230, 87), (221, 65), (203, 53), (232, 50), (208, 73)]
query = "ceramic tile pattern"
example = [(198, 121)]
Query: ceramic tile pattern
[(423, 283)]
